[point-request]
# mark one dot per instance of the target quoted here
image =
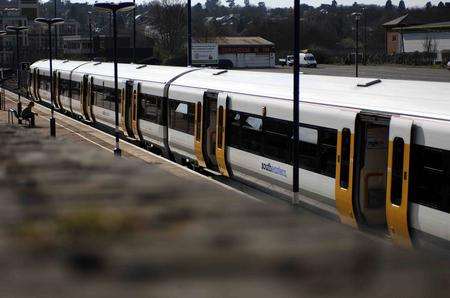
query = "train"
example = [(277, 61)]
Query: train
[(374, 154)]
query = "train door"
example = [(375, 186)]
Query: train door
[(91, 98), (210, 132), (84, 96), (400, 138), (129, 113), (38, 86), (135, 104), (344, 185), (371, 171), (55, 89)]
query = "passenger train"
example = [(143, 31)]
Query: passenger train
[(374, 154)]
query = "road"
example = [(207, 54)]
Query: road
[(374, 71)]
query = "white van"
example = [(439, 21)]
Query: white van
[(306, 60)]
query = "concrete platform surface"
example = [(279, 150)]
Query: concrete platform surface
[(77, 222)]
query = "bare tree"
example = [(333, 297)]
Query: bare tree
[(167, 19)]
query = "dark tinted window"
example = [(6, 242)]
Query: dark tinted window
[(345, 157), (182, 116), (397, 171), (44, 83), (151, 108), (64, 87), (430, 176), (277, 139), (75, 90), (317, 144), (104, 97)]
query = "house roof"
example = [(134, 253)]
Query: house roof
[(431, 26), (238, 41), (396, 22)]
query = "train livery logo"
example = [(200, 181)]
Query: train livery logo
[(273, 169)]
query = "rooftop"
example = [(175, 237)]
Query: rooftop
[(238, 41), (431, 26)]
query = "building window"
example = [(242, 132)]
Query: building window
[(394, 37)]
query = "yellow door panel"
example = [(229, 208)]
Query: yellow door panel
[(122, 112), (397, 213), (198, 135), (221, 135), (134, 114), (344, 201)]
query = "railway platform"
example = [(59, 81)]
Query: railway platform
[(77, 222)]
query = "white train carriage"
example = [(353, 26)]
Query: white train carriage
[(374, 154)]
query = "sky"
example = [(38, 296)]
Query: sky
[(278, 3)]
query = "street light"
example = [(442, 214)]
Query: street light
[(2, 33), (296, 102), (17, 30), (189, 32), (91, 50), (357, 16), (134, 31), (113, 8), (50, 23)]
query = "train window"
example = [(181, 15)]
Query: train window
[(64, 87), (308, 135), (345, 157), (430, 173), (327, 141), (397, 171), (198, 124), (182, 116), (234, 128), (75, 90), (45, 83), (151, 108), (220, 128), (251, 134), (277, 139)]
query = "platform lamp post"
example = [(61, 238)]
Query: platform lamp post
[(91, 42), (189, 33), (50, 23), (296, 102), (357, 16), (17, 30), (2, 33), (134, 31), (113, 8)]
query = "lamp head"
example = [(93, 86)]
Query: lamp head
[(110, 6)]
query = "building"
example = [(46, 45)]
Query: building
[(244, 52), (11, 16), (393, 31), (76, 45), (428, 38)]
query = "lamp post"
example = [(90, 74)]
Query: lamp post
[(296, 102), (365, 35), (50, 23), (91, 42), (134, 31), (2, 33), (357, 16), (17, 30), (113, 8), (189, 33), (56, 31)]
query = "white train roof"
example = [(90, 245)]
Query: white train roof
[(418, 98)]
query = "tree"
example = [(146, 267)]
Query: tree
[(247, 3), (389, 5), (401, 6), (168, 36), (334, 4), (428, 5), (231, 3), (262, 5), (212, 4), (441, 4)]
